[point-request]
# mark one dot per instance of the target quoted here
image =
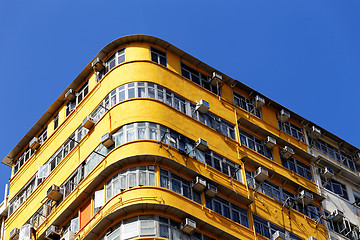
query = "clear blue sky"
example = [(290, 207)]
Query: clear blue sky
[(303, 54)]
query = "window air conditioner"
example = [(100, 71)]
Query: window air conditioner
[(357, 158), (199, 184), (337, 215), (88, 122), (312, 238), (53, 232), (70, 95), (215, 79), (107, 140), (270, 142), (14, 234), (25, 232), (261, 174), (211, 190), (315, 132), (201, 144), (259, 101), (188, 226), (69, 235), (327, 173), (54, 193), (278, 236), (202, 106), (305, 197), (152, 168), (98, 65), (283, 115), (286, 152), (34, 143)]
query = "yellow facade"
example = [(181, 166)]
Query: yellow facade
[(155, 200)]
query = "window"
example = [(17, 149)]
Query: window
[(298, 167), (343, 227), (267, 229), (335, 153), (335, 187), (150, 225), (22, 159), (158, 56), (83, 91), (115, 59), (228, 210), (291, 129), (179, 185), (198, 78), (357, 198), (131, 177), (43, 136), (222, 164), (246, 104), (255, 144), (56, 121)]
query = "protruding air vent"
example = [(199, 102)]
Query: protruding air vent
[(107, 140), (278, 236), (98, 65), (188, 226), (34, 143), (270, 142), (199, 184), (202, 106), (14, 234), (88, 122), (259, 101), (70, 95), (327, 173), (261, 174), (201, 144), (283, 115), (54, 193), (337, 215), (52, 233), (216, 78), (211, 190), (315, 132), (305, 197), (286, 152)]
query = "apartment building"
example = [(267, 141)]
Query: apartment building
[(150, 142)]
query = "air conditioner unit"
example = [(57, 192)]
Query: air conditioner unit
[(52, 232), (69, 235), (337, 215), (211, 190), (188, 226), (202, 106), (287, 152), (201, 144), (199, 184), (88, 122), (215, 79), (25, 232), (34, 143), (357, 158), (107, 140), (305, 197), (278, 236), (259, 101), (14, 234), (327, 173), (270, 142), (152, 168), (261, 174), (70, 95), (54, 193), (312, 238), (315, 132), (98, 65), (283, 115)]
